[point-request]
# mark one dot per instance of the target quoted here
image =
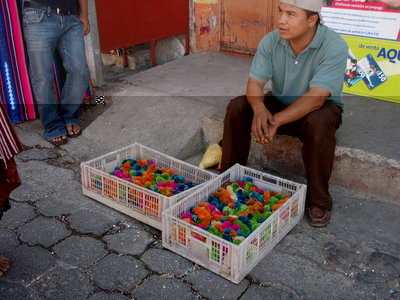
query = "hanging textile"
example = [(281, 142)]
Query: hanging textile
[(15, 89)]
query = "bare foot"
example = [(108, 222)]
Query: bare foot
[(4, 265), (73, 130)]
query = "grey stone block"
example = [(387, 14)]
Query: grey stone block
[(105, 296), (80, 251), (18, 215), (157, 288), (119, 61), (30, 134), (95, 207), (56, 207), (85, 221), (256, 292), (166, 262), (43, 231), (68, 160), (213, 286), (29, 262), (82, 149), (13, 290), (341, 255), (29, 191), (302, 240), (56, 179), (108, 59), (279, 268), (61, 283), (8, 241), (351, 214), (169, 49), (135, 224), (139, 59), (129, 241), (37, 154), (380, 267), (120, 273)]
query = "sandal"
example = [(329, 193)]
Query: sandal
[(58, 143), (318, 217), (74, 134)]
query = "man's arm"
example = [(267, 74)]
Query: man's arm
[(312, 100), (265, 125), (260, 73), (84, 16), (262, 119)]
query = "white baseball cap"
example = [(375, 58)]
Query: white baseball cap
[(311, 5)]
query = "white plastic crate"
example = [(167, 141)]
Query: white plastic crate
[(231, 261), (138, 202)]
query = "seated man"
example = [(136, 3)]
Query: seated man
[(305, 61)]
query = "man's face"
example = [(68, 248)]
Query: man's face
[(293, 22)]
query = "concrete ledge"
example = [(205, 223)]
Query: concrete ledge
[(354, 169), (367, 172)]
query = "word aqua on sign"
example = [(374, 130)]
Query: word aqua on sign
[(391, 54)]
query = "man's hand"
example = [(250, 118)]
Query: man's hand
[(263, 122), (86, 24), (272, 129), (263, 127), (84, 16)]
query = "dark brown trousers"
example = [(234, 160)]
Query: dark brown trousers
[(316, 130)]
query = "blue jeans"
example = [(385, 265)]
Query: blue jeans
[(45, 32)]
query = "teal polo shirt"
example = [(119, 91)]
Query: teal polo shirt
[(322, 64)]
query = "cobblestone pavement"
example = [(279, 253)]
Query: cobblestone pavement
[(64, 245)]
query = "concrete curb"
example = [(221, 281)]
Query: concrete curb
[(354, 169)]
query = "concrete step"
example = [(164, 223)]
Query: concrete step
[(354, 169)]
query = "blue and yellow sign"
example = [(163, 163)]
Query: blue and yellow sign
[(372, 31)]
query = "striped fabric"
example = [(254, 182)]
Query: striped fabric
[(9, 142), (15, 89)]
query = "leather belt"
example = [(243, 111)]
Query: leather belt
[(55, 10)]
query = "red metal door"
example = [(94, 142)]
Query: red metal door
[(124, 23), (245, 22)]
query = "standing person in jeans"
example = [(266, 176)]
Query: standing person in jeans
[(305, 61), (9, 178), (49, 26)]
